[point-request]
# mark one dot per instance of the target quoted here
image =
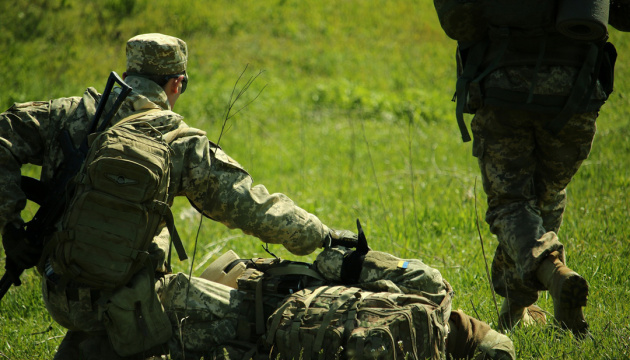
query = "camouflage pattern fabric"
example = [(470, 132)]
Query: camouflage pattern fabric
[(204, 314), (156, 54), (215, 183), (381, 271), (73, 314), (339, 322), (525, 171), (545, 80), (461, 20)]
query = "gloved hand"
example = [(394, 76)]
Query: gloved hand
[(20, 252), (343, 264), (348, 239), (345, 238)]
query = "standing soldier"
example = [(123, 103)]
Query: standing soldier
[(535, 74)]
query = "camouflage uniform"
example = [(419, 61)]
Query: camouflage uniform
[(525, 171), (536, 88), (381, 271), (215, 184)]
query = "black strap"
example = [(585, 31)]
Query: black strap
[(167, 215), (542, 103), (582, 89), (474, 59)]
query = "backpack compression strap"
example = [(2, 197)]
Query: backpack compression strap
[(163, 208), (278, 314)]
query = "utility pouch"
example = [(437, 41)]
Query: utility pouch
[(134, 317)]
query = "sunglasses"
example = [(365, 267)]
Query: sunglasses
[(184, 82)]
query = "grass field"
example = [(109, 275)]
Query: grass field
[(353, 121)]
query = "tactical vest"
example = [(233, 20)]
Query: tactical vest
[(119, 204), (492, 34)]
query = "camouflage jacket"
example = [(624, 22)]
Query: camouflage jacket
[(214, 183)]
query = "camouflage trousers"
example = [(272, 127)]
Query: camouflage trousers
[(208, 318), (204, 316), (525, 171)]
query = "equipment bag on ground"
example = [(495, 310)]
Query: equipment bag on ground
[(341, 322)]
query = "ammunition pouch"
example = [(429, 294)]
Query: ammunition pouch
[(134, 317)]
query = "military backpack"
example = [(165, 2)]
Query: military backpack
[(119, 203), (341, 322)]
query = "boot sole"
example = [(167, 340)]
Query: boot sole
[(574, 293), (573, 296)]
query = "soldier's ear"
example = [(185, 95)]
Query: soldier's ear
[(173, 84)]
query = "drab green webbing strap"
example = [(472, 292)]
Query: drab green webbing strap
[(347, 295), (260, 316), (167, 215), (135, 116), (473, 61), (278, 314), (162, 207)]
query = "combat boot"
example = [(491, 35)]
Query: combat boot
[(569, 291), (470, 338), (512, 314)]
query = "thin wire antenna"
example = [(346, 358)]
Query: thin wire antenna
[(234, 98), (266, 248), (192, 262), (378, 187), (483, 252), (232, 101), (412, 178)]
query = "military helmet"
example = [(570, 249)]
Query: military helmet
[(156, 54)]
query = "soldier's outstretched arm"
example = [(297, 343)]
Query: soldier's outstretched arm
[(222, 190)]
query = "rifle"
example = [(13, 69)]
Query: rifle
[(53, 199)]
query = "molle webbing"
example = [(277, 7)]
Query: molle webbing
[(120, 202)]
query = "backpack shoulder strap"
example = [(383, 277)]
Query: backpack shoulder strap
[(182, 132), (135, 116), (164, 209)]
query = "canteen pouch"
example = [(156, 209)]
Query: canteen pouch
[(134, 318)]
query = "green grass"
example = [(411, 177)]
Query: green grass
[(354, 121)]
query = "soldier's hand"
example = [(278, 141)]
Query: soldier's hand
[(20, 252), (345, 238)]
